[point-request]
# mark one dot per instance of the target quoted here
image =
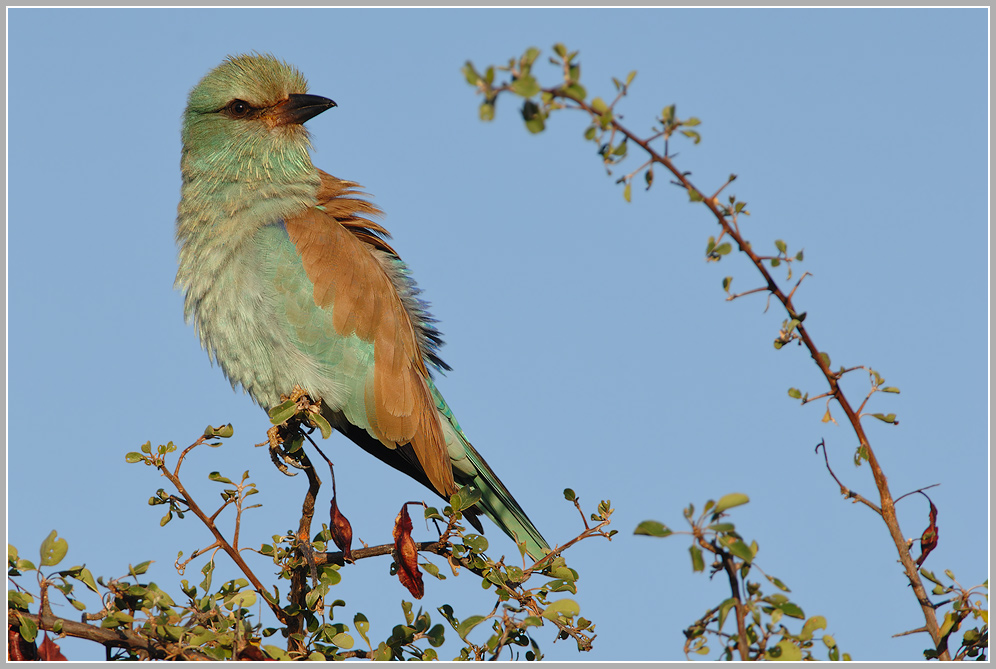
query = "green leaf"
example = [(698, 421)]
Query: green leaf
[(342, 640), (465, 498), (224, 431), (729, 501), (576, 91), (19, 600), (215, 476), (590, 133), (886, 418), (525, 86), (531, 54), (795, 393), (53, 550), (780, 245), (276, 652), (322, 424), (244, 599), (599, 106), (436, 636), (722, 527), (825, 359), (791, 610), (362, 626), (890, 389), (28, 628), (140, 568), (813, 624), (147, 447), (282, 412), (475, 542), (469, 73), (798, 256), (698, 563), (694, 136), (469, 623), (723, 249), (785, 651), (486, 112), (134, 457), (533, 116), (630, 77), (726, 283), (724, 610), (432, 570), (628, 191), (667, 115), (739, 549), (652, 528), (567, 608), (560, 50)]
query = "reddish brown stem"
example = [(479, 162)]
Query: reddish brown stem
[(881, 482)]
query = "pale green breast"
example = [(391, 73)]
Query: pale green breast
[(260, 322)]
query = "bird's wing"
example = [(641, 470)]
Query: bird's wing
[(347, 260)]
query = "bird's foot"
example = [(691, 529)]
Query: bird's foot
[(280, 453)]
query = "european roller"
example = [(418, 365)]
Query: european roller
[(290, 283)]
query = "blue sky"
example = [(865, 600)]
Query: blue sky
[(591, 344)]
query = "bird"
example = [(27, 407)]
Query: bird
[(289, 282)]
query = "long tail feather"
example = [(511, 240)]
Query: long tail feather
[(498, 504)]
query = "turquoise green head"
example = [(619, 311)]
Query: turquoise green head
[(248, 110)]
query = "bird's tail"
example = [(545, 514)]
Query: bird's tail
[(498, 504)]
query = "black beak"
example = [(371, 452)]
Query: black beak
[(298, 108)]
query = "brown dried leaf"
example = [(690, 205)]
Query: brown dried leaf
[(406, 555), (928, 540), (49, 651), (342, 531), (19, 650)]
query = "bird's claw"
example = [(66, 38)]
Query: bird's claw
[(279, 454)]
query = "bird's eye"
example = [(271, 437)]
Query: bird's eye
[(239, 108)]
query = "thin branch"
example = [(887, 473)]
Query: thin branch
[(729, 566), (888, 511), (797, 283), (844, 490), (154, 649), (747, 292), (913, 492), (219, 537)]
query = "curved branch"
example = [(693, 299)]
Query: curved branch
[(155, 649), (888, 511)]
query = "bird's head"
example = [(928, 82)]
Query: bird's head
[(248, 113)]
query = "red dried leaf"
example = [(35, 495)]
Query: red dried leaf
[(406, 555), (928, 540), (342, 531), (19, 650), (49, 651)]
